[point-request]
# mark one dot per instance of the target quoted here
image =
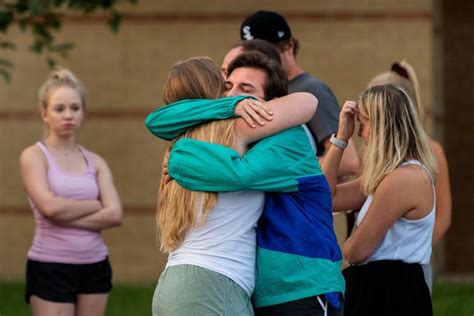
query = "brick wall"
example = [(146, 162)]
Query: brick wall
[(343, 43)]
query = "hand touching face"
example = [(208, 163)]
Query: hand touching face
[(347, 120)]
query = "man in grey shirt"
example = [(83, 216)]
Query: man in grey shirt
[(272, 27), (325, 122)]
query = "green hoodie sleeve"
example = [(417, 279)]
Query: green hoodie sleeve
[(272, 164), (174, 119)]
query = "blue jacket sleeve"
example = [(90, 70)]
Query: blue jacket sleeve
[(174, 119), (273, 164)]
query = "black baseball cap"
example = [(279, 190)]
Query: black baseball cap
[(267, 25)]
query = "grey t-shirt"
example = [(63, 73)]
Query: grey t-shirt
[(325, 120)]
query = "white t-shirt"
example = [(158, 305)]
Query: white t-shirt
[(226, 243)]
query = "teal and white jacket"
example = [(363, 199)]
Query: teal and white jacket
[(297, 254)]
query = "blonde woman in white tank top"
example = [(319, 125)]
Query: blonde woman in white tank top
[(393, 233), (402, 73)]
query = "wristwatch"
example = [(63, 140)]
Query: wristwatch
[(337, 142)]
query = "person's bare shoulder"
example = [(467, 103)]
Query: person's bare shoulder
[(32, 154), (99, 163), (405, 183)]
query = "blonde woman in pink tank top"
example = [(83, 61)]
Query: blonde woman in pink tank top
[(73, 198)]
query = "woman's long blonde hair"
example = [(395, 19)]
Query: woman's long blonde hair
[(180, 209), (396, 134)]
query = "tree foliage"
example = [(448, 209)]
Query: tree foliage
[(43, 19)]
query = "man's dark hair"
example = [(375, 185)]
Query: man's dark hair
[(282, 45), (261, 46), (277, 81)]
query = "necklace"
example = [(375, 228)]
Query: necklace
[(66, 154)]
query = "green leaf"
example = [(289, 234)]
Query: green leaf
[(114, 21), (44, 18), (53, 21), (106, 3), (5, 74), (51, 62), (6, 19), (42, 33), (22, 5), (23, 23), (7, 45), (37, 46), (5, 63), (58, 3), (62, 49), (36, 6)]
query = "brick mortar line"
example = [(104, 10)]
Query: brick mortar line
[(224, 16), (6, 115), (25, 210)]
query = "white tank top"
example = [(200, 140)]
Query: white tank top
[(407, 240), (226, 243)]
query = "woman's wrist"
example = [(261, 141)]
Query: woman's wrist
[(338, 142)]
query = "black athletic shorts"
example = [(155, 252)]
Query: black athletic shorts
[(61, 282), (309, 306), (386, 287)]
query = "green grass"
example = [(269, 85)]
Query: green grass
[(130, 300), (453, 299), (124, 300), (12, 302), (449, 299)]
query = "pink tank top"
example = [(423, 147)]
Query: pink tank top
[(53, 243)]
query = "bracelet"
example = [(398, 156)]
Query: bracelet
[(337, 142)]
